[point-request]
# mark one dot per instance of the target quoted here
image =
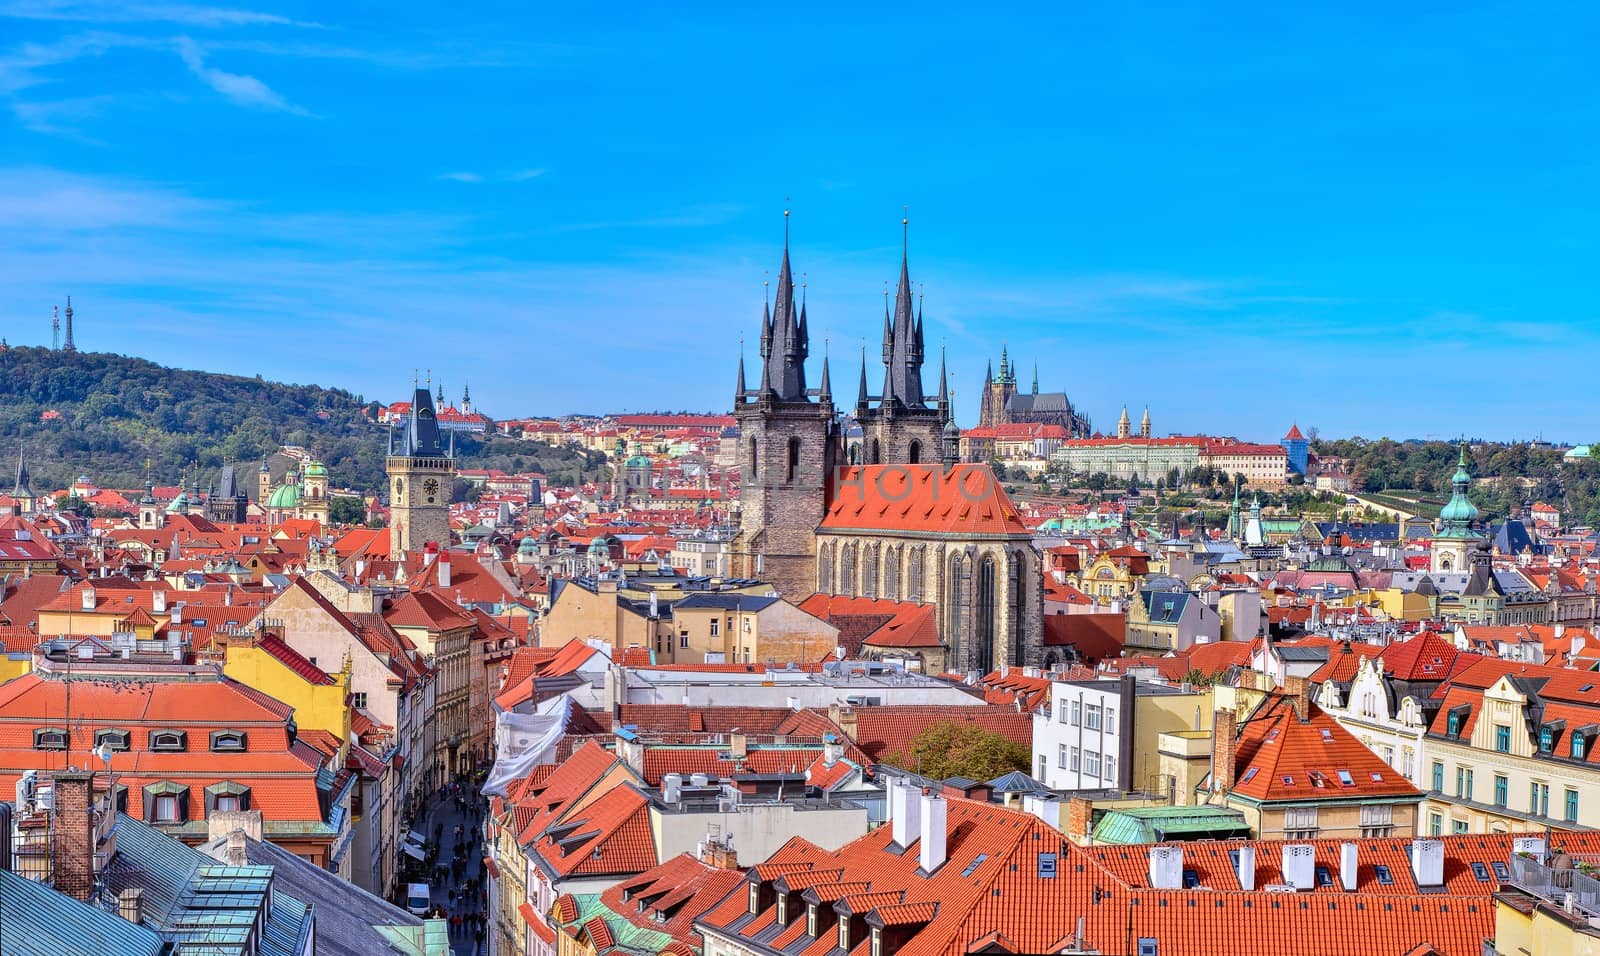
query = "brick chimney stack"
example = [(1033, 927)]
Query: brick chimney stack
[(1298, 690), (73, 837), (130, 905), (1080, 817), (1223, 746)]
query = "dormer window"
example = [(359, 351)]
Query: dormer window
[(1547, 739), (811, 920), (169, 740), (1452, 724), (115, 740), (755, 898), (227, 796), (844, 935), (50, 738), (783, 909), (228, 741)]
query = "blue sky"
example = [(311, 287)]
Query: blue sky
[(1375, 219)]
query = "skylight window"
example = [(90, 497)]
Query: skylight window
[(1327, 736), (1047, 866), (1384, 876), (1345, 780), (974, 864), (1288, 781), (1249, 775), (1501, 870), (1377, 777), (1480, 871), (1324, 878), (1191, 879)]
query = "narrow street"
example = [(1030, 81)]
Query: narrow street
[(457, 878)]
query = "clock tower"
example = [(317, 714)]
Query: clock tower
[(420, 471)]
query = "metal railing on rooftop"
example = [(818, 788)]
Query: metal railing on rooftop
[(1557, 884)]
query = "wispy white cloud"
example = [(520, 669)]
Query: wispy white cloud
[(238, 87), (705, 214), (111, 11), (62, 117), (515, 176)]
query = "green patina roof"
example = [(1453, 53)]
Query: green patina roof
[(630, 938), (1155, 824), (637, 461), (179, 504), (285, 496), (1456, 518), (316, 469)]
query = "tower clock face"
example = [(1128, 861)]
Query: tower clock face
[(431, 488)]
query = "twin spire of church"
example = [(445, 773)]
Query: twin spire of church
[(785, 345)]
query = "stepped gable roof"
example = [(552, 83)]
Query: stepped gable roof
[(1281, 757), (930, 499)]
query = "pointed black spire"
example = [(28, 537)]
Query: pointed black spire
[(988, 375), (739, 389), (944, 389), (825, 390), (784, 338), (1035, 378), (861, 393), (903, 344), (24, 487)]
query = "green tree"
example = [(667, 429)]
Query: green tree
[(343, 510), (949, 749)]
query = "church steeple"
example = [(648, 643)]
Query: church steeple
[(944, 390), (1035, 378), (1124, 424), (739, 389), (825, 389), (24, 487), (861, 394), (902, 341), (784, 338)]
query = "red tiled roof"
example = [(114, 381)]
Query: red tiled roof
[(1281, 757), (1096, 636), (876, 622), (294, 661), (966, 500)]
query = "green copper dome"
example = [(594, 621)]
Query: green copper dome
[(316, 469), (179, 504), (285, 496), (528, 546), (637, 461), (1456, 518)]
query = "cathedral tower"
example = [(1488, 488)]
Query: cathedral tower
[(420, 470), (903, 429), (1453, 540), (789, 446)]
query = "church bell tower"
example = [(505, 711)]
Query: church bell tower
[(420, 470)]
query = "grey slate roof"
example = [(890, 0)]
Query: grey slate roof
[(35, 920), (347, 916), (727, 601), (1025, 402)]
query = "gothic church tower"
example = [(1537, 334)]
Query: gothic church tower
[(420, 470), (789, 446), (903, 429)]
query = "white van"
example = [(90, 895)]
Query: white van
[(419, 899)]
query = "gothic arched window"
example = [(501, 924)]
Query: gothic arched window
[(869, 571), (891, 574), (847, 571)]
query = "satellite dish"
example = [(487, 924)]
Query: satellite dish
[(104, 753)]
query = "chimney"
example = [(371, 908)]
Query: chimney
[(1347, 866), (236, 853), (1299, 693), (1166, 867), (843, 717), (905, 812), (932, 844), (738, 744), (222, 824), (130, 905), (832, 750), (1223, 749), (1427, 862), (73, 840), (1247, 867), (177, 613), (88, 599), (444, 569), (158, 601), (1080, 818), (1300, 865)]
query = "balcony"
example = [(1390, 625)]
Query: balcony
[(1558, 884)]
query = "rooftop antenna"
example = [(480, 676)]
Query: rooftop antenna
[(55, 327), (905, 230)]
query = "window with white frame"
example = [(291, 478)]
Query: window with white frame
[(1377, 820), (1077, 713), (1109, 771), (1061, 757), (1111, 719), (1091, 763), (1091, 717), (1300, 823)]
